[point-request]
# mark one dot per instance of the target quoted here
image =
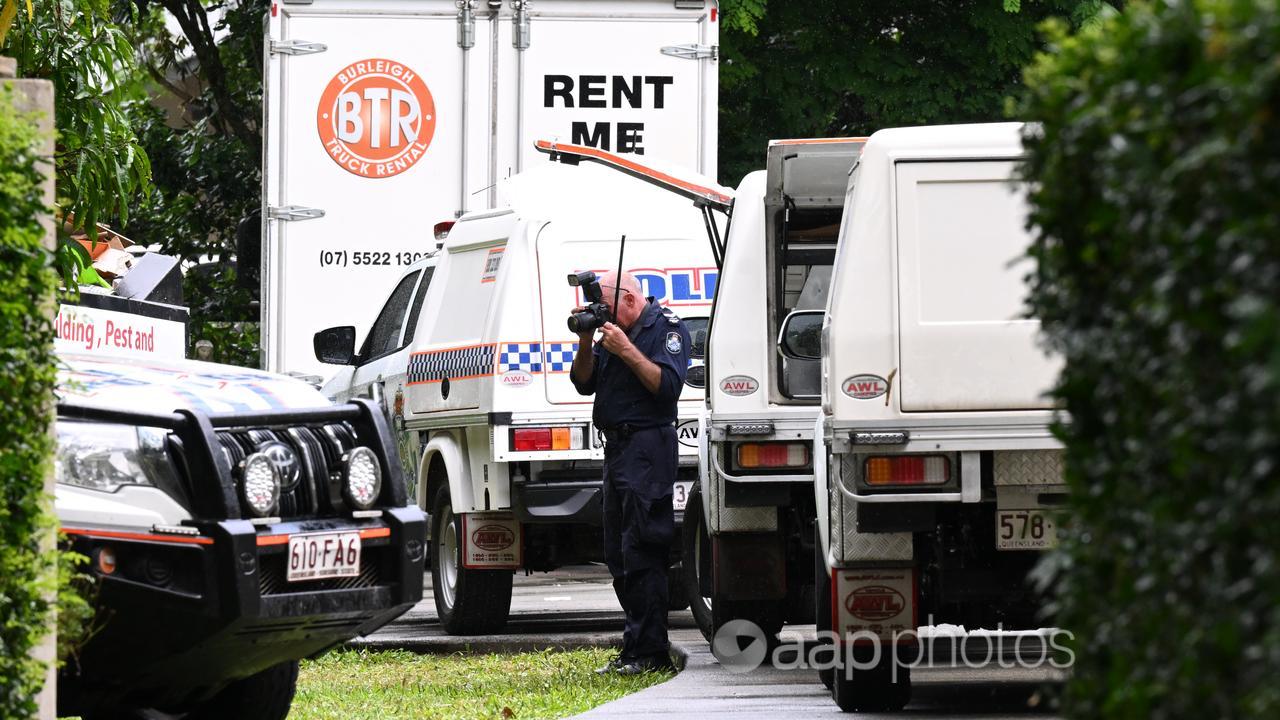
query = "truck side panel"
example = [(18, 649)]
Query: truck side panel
[(962, 240)]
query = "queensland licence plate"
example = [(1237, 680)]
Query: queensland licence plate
[(680, 495), (1025, 529), (324, 555)]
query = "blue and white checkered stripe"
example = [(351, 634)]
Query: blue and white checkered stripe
[(436, 365), (559, 356), (520, 356)]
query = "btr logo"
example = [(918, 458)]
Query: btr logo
[(673, 287), (376, 118), (874, 603)]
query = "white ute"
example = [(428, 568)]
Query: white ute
[(470, 356), (756, 492), (940, 467)]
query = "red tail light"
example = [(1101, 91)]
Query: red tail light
[(907, 470), (570, 437)]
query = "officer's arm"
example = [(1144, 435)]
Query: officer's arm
[(646, 370), (583, 371)]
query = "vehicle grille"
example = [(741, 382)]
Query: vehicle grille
[(314, 491), (273, 576)]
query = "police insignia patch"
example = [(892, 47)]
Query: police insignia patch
[(674, 343)]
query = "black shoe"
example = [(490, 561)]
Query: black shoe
[(645, 665), (610, 667)]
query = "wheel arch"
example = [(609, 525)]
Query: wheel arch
[(445, 450)]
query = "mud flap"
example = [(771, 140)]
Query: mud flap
[(492, 541), (874, 604)]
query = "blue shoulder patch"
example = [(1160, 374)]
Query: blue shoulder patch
[(674, 343)]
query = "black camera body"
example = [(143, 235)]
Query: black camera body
[(596, 312)]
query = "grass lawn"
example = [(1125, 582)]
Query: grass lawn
[(349, 685)]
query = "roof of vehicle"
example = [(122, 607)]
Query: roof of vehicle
[(946, 141), (162, 386)]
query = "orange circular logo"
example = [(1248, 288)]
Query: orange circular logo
[(376, 118)]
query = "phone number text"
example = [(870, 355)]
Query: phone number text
[(356, 258)]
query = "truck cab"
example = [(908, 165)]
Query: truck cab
[(938, 471), (498, 445)]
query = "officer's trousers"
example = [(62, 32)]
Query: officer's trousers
[(638, 528)]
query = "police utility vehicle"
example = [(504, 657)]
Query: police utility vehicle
[(937, 470), (470, 357), (235, 521)]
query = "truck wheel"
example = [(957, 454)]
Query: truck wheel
[(872, 690), (265, 696), (696, 553), (469, 602), (677, 597), (821, 600)]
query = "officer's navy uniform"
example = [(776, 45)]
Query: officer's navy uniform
[(640, 469)]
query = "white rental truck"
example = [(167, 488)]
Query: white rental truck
[(384, 117), (937, 468), (754, 506), (470, 356)]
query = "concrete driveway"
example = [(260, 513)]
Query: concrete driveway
[(575, 607)]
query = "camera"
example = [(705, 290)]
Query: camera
[(596, 312)]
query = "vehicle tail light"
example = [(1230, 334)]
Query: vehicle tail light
[(907, 470), (538, 439), (753, 456), (442, 229)]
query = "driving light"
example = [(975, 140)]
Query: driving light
[(260, 484), (363, 478)]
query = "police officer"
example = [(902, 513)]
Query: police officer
[(636, 371)]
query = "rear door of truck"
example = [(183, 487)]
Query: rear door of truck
[(966, 343), (633, 77)]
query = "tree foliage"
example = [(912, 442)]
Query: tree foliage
[(26, 391), (206, 154), (100, 167), (829, 68), (1158, 279)]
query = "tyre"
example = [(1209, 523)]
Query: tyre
[(677, 594), (711, 613), (468, 601), (876, 689), (265, 696), (695, 557), (821, 599)]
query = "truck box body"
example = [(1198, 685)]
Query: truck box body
[(384, 117), (941, 473)]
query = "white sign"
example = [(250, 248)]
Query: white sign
[(108, 332)]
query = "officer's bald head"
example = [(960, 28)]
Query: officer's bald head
[(630, 298)]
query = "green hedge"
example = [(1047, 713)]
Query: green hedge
[(26, 386), (1157, 196)]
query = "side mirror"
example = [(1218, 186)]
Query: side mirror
[(801, 335), (336, 345)]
